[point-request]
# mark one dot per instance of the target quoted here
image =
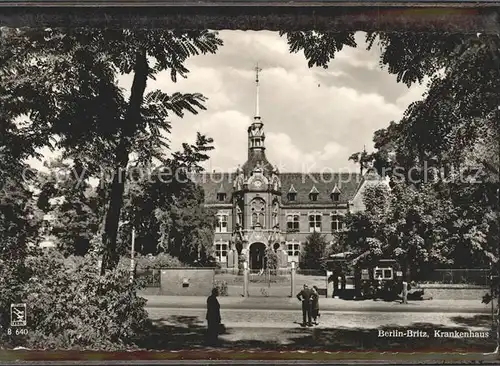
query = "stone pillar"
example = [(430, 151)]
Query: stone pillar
[(283, 258), (245, 279), (292, 280), (230, 259), (405, 292), (328, 274)]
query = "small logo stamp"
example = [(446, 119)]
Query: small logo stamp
[(18, 315)]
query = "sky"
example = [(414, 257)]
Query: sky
[(314, 118)]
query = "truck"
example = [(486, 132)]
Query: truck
[(380, 278)]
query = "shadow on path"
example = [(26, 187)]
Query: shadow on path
[(188, 333), (484, 321)]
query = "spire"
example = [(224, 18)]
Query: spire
[(257, 110), (256, 139)]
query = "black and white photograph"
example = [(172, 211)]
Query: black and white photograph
[(249, 191)]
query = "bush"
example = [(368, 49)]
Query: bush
[(70, 306), (12, 278), (222, 287), (148, 262)]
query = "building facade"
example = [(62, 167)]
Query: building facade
[(265, 208)]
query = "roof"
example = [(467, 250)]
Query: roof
[(214, 183), (335, 190), (323, 182), (341, 255), (302, 183), (255, 157), (221, 189)]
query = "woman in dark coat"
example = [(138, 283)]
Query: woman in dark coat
[(213, 317), (315, 305)]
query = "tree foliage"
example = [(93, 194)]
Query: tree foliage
[(442, 157), (84, 106), (75, 206), (314, 251), (271, 261), (167, 208)]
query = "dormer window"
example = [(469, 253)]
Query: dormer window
[(335, 195), (313, 194), (292, 194), (221, 194)]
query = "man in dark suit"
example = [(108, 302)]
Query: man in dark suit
[(306, 297), (213, 318)]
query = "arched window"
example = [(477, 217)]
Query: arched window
[(258, 207)]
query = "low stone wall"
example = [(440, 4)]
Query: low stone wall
[(187, 281)]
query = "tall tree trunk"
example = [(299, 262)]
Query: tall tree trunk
[(497, 274), (111, 256), (496, 205)]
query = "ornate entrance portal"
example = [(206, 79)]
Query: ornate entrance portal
[(257, 256)]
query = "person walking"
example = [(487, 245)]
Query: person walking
[(306, 296), (213, 318), (315, 305)]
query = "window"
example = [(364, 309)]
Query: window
[(221, 224), (291, 196), (314, 223), (258, 207), (337, 223), (221, 197), (383, 273), (221, 252), (335, 196), (293, 249), (292, 223)]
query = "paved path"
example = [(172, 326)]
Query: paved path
[(326, 304)]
